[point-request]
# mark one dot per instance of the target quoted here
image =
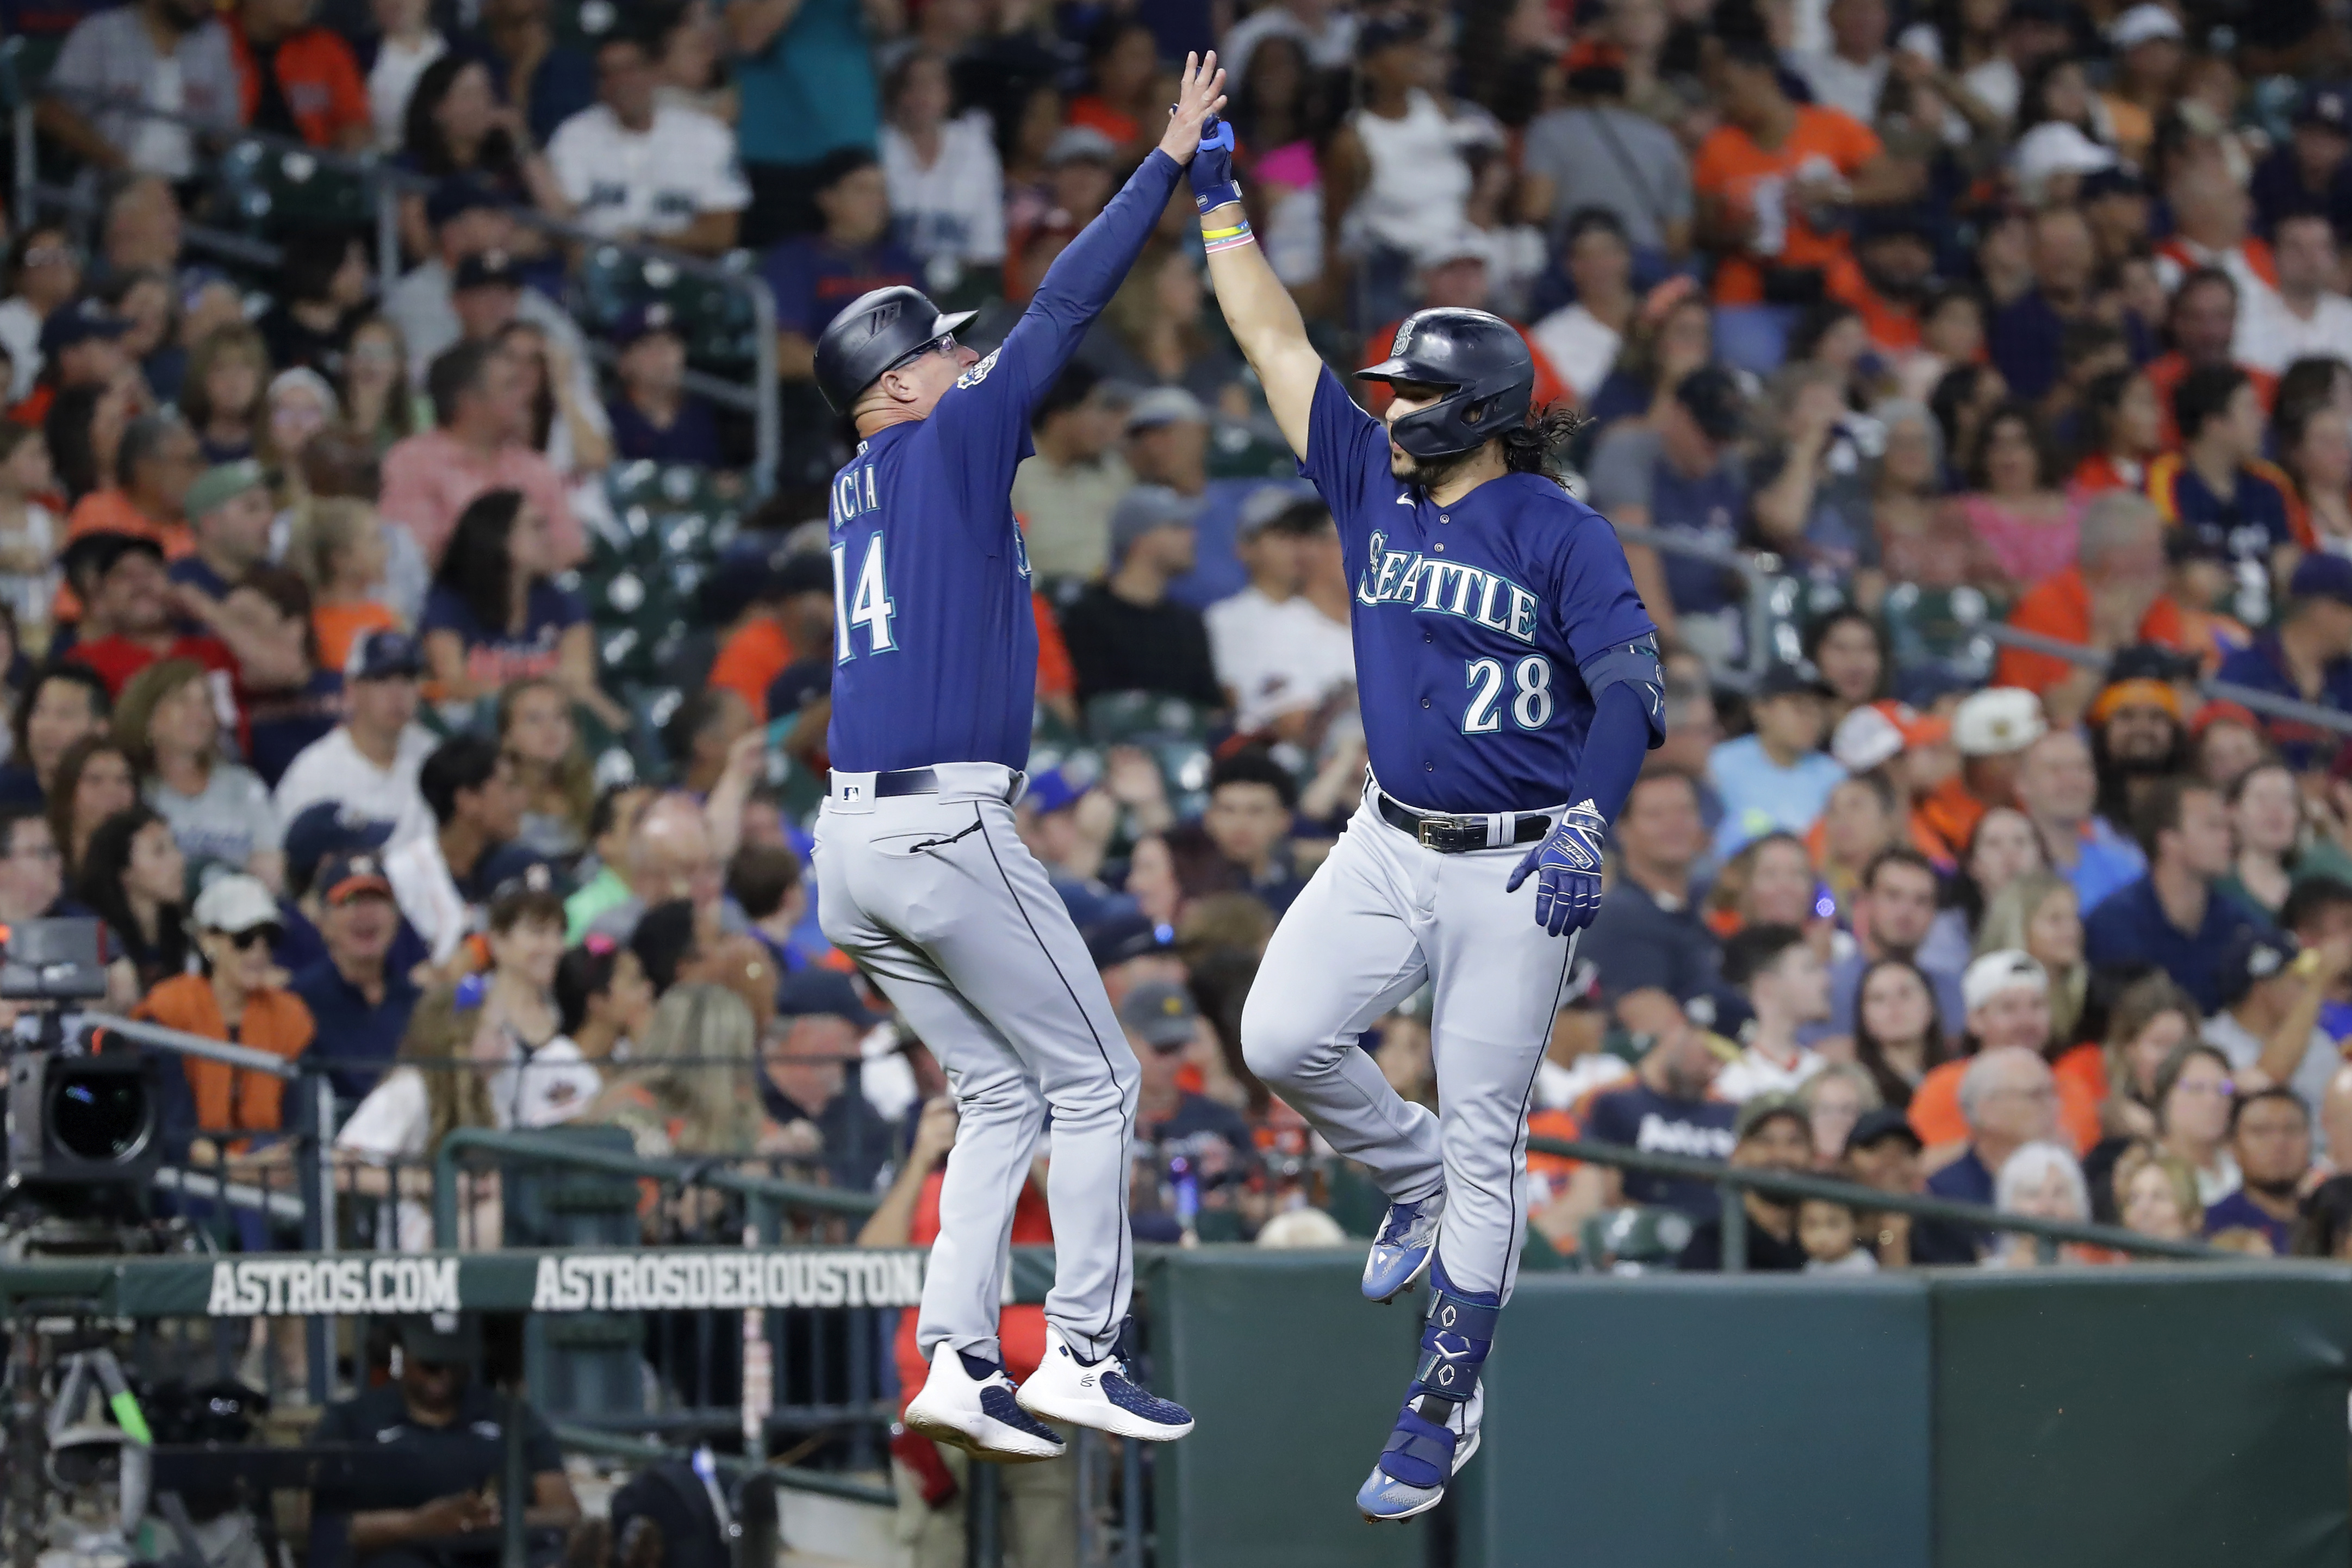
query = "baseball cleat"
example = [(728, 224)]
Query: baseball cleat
[(1402, 1247), (979, 1415), (1099, 1395), (1416, 1448)]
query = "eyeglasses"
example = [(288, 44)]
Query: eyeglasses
[(257, 936), (945, 343)]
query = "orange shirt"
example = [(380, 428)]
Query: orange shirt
[(749, 662), (1020, 1330), (318, 74), (232, 1098), (1089, 108), (1056, 675), (2099, 473), (111, 512), (1747, 178), (1936, 1105), (2060, 607), (338, 626), (1549, 387), (1942, 820)]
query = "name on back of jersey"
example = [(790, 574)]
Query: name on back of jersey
[(853, 492), (1434, 585)]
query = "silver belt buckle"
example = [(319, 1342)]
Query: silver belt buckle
[(1428, 826)]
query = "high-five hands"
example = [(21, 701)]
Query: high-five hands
[(1198, 99), (1567, 868)]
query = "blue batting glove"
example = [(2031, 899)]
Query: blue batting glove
[(1211, 168), (1567, 868)]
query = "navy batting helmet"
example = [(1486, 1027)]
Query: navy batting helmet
[(877, 331), (1481, 364)]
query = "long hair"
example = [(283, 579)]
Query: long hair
[(543, 402), (238, 341), (1534, 445), (475, 568), (438, 1044), (421, 136), (100, 887), (2141, 1003), (135, 716), (699, 1068), (1870, 1051), (67, 784), (2005, 919), (574, 776)]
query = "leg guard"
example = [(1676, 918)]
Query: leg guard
[(1454, 1344)]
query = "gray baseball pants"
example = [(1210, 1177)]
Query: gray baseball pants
[(938, 899), (1381, 917)]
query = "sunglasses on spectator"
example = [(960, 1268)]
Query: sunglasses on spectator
[(257, 936)]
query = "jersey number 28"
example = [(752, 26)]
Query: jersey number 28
[(1531, 700), (869, 606)]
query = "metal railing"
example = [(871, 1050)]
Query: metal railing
[(1758, 569), (1733, 1183), (386, 186), (2270, 705)]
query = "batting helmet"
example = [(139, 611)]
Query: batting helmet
[(878, 331), (1481, 364)]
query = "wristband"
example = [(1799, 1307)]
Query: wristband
[(1227, 238), (1242, 228)]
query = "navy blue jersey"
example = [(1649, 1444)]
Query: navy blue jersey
[(935, 644), (1471, 622)]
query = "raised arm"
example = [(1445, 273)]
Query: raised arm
[(1264, 318)]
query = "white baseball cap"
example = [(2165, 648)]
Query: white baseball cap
[(236, 904), (1996, 723), (2143, 24), (1877, 733), (2055, 147), (2004, 969)]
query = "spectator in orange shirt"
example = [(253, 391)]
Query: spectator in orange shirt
[(237, 921), (790, 618), (1772, 184), (2112, 598), (154, 465), (2203, 323), (298, 79), (1991, 729), (2122, 425), (1125, 99)]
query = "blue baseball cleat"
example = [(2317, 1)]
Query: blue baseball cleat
[(1402, 1247), (1421, 1456)]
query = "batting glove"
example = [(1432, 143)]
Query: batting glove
[(1211, 168), (1567, 869)]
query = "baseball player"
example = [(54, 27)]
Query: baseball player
[(1510, 687), (921, 877)]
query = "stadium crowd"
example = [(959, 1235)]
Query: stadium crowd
[(1925, 317)]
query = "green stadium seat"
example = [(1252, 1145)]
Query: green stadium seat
[(264, 191), (1117, 718), (584, 1365), (1789, 605), (1940, 626), (1632, 1240)]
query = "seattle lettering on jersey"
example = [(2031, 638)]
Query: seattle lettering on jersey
[(1448, 588)]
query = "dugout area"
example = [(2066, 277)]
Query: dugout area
[(2144, 1416)]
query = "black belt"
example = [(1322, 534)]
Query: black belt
[(1454, 834), (905, 781)]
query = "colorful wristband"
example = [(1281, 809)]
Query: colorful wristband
[(1225, 239)]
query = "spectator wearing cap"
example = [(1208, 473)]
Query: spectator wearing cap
[(635, 168), (1129, 951), (1041, 218), (468, 219), (1776, 778), (1893, 916), (2199, 573), (655, 419), (1649, 935), (322, 832), (947, 185), (2174, 917), (2308, 657), (370, 762), (1783, 982), (2312, 170), (230, 509), (2270, 1139), (821, 1020), (2306, 316), (2149, 46), (81, 344), (360, 1002), (2112, 596), (1681, 472), (2057, 789), (439, 1445), (1165, 1030), (2202, 322), (1883, 1151), (119, 57), (236, 923), (1168, 445), (1990, 730), (1910, 752), (816, 275), (441, 877), (1279, 654), (1582, 339), (1064, 490), (788, 617), (295, 78), (1068, 821), (2273, 990), (2023, 335), (2221, 486), (1126, 634), (1760, 179), (475, 448), (1773, 1133)]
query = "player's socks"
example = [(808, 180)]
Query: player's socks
[(1402, 1247), (1066, 1387), (1437, 1429), (969, 1403)]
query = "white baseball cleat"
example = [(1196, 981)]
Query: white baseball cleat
[(979, 1415), (1099, 1395)]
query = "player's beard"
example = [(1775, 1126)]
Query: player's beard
[(1429, 472)]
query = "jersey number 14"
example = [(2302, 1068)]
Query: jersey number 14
[(868, 605), (1530, 698)]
